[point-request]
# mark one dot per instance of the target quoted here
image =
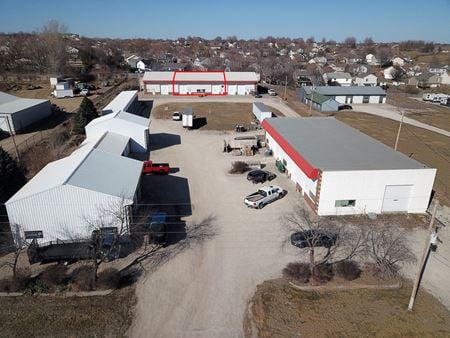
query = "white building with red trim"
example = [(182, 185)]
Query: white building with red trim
[(195, 83), (341, 171)]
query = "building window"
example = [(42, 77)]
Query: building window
[(344, 203), (366, 99)]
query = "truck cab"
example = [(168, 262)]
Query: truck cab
[(150, 167)]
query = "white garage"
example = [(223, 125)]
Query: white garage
[(341, 171)]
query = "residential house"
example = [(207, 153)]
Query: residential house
[(372, 60), (366, 80), (437, 69), (341, 78)]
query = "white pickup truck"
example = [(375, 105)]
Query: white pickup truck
[(264, 196)]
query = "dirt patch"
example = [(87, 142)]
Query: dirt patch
[(425, 146), (407, 221), (278, 310), (216, 115), (97, 316), (294, 103)]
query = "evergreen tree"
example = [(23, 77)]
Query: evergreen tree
[(11, 176), (86, 113)]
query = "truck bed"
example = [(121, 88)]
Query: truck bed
[(254, 197)]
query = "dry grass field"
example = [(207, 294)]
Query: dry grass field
[(422, 145), (278, 310)]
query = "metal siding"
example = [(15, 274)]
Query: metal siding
[(60, 212), (25, 117)]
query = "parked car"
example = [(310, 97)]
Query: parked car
[(260, 176), (264, 196), (256, 95), (158, 233), (308, 238), (85, 92), (155, 168), (345, 106), (272, 92), (176, 116)]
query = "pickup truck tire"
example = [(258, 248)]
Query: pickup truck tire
[(260, 206)]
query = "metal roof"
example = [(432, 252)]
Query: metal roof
[(93, 166), (330, 145), (10, 104), (107, 173), (122, 115), (113, 143), (120, 102), (350, 90), (262, 107), (213, 76)]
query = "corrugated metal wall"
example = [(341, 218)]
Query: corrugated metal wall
[(62, 212)]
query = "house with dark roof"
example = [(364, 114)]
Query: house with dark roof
[(320, 102), (338, 170)]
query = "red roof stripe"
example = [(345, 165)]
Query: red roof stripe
[(304, 165)]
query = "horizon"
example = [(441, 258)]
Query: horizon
[(250, 21)]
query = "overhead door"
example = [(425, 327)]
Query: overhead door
[(241, 90), (232, 90), (165, 89), (396, 198), (216, 89), (183, 89), (152, 88)]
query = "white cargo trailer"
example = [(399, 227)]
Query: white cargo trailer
[(63, 93), (188, 118)]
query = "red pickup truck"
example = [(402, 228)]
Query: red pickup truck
[(155, 168)]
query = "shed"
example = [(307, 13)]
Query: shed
[(17, 114), (123, 102), (261, 111)]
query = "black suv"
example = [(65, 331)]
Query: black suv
[(260, 176), (306, 239)]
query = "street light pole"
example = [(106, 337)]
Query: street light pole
[(399, 129)]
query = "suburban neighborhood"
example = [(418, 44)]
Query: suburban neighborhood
[(154, 186)]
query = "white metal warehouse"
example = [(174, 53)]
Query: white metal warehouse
[(67, 195), (16, 114), (123, 101), (346, 95), (123, 123), (340, 170), (199, 83)]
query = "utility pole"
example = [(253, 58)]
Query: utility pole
[(399, 129), (431, 237), (310, 101), (285, 88)]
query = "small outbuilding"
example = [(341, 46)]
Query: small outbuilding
[(320, 102), (261, 111), (17, 114), (341, 171), (124, 101)]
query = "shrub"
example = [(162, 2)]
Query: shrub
[(239, 167), (349, 270), (412, 90), (322, 273), (372, 269), (108, 279), (54, 276), (16, 284), (83, 278), (297, 271)]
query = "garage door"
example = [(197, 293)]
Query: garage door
[(232, 89), (183, 89), (152, 88), (241, 90), (165, 89), (396, 198), (216, 89)]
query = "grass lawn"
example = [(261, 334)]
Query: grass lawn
[(40, 316), (278, 310), (422, 145), (218, 115)]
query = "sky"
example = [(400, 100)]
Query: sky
[(383, 20)]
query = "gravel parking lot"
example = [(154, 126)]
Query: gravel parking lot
[(203, 291)]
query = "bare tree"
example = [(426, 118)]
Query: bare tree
[(398, 73), (350, 42), (341, 243), (16, 248), (386, 245)]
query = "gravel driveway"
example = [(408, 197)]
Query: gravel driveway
[(203, 291)]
